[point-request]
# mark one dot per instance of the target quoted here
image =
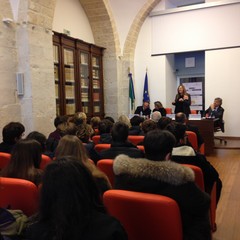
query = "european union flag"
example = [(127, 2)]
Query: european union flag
[(146, 97), (131, 90)]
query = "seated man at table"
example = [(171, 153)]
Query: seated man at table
[(216, 111), (182, 119), (156, 174), (144, 110), (120, 143)]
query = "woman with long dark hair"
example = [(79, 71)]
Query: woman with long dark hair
[(70, 206), (182, 101), (25, 161)]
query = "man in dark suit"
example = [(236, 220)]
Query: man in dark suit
[(216, 111), (144, 109), (181, 118)]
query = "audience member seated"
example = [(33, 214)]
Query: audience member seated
[(105, 128), (216, 111), (185, 154), (148, 125), (159, 107), (110, 119), (182, 119), (25, 161), (70, 145), (155, 174), (70, 206), (144, 110), (60, 123), (163, 122), (156, 116), (120, 144), (94, 122), (11, 134), (84, 134), (123, 118), (41, 138), (135, 128)]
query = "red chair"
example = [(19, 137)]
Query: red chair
[(135, 139), (199, 180), (106, 166), (141, 147), (19, 194), (192, 138), (96, 139), (102, 146), (193, 111), (145, 215), (45, 161), (4, 159), (168, 110)]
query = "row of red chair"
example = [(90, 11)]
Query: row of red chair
[(5, 159), (106, 165), (192, 138)]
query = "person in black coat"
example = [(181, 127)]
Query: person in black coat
[(144, 110), (185, 154), (11, 133), (120, 143), (182, 101), (182, 119), (155, 174), (216, 111), (71, 207), (159, 107)]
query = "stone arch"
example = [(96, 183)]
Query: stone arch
[(105, 34)]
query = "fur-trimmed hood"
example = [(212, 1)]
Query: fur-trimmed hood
[(165, 171)]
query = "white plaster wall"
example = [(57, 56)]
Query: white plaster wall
[(124, 12), (222, 80), (70, 15), (155, 67)]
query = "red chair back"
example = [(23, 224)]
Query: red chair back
[(199, 180), (141, 147), (135, 139), (96, 139), (19, 194), (168, 110), (4, 159), (106, 166), (145, 215), (192, 138), (193, 111), (45, 161), (102, 146)]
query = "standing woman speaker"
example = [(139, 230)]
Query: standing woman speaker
[(182, 101)]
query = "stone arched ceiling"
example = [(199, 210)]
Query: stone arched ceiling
[(104, 29)]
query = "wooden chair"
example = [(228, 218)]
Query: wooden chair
[(135, 139), (145, 215), (106, 166), (4, 159), (19, 194)]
